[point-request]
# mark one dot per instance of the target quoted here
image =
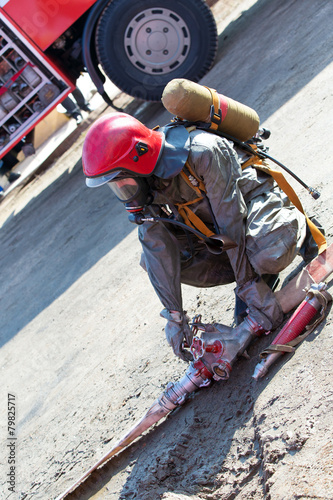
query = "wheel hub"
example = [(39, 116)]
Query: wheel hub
[(157, 41)]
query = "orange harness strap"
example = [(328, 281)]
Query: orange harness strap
[(282, 182), (190, 218)]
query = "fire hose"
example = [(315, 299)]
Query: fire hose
[(214, 353), (217, 348)]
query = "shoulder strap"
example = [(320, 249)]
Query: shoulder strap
[(283, 184), (190, 218)]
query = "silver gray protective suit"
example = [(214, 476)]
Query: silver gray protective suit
[(249, 208)]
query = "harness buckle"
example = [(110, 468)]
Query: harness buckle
[(215, 117)]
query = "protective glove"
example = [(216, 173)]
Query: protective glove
[(176, 331)]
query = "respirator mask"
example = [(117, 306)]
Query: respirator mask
[(133, 192)]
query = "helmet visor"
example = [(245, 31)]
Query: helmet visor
[(125, 189), (103, 179)]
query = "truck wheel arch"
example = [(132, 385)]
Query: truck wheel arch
[(89, 51)]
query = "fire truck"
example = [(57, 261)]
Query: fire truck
[(139, 45)]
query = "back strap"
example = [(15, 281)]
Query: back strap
[(282, 182)]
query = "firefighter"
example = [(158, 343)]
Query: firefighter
[(193, 180)]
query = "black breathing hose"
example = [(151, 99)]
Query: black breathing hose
[(315, 194), (140, 218), (262, 154)]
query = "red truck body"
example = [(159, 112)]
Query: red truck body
[(43, 21)]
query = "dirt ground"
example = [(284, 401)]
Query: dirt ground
[(82, 344)]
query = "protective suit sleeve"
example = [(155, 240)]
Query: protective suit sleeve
[(216, 162), (162, 262)]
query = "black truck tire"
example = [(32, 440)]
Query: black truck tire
[(142, 45)]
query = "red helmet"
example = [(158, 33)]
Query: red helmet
[(117, 143)]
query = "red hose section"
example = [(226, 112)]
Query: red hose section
[(296, 324)]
